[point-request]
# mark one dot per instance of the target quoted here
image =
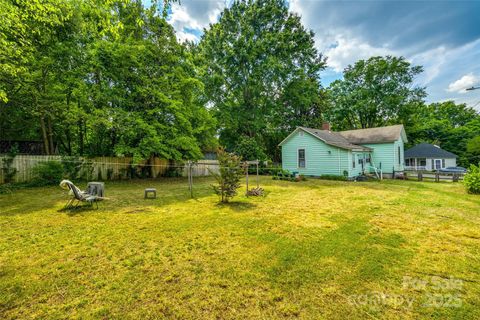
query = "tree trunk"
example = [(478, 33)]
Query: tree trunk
[(80, 138), (44, 135), (69, 143), (50, 134)]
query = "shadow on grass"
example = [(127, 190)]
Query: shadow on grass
[(237, 205), (78, 210), (121, 194)]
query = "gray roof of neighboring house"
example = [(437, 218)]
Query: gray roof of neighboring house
[(427, 150), (375, 135), (334, 139)]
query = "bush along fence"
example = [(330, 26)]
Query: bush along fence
[(26, 168)]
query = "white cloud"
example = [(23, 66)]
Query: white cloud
[(341, 46), (348, 51), (345, 37), (464, 82), (432, 61), (194, 15)]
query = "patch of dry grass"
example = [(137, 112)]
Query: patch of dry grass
[(311, 249)]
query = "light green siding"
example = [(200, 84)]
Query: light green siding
[(382, 156), (321, 158), (385, 155), (399, 155), (358, 166)]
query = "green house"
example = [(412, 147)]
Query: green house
[(317, 152)]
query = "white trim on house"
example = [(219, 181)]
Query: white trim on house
[(304, 156), (295, 131), (306, 131), (414, 163)]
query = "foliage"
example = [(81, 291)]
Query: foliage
[(8, 171), (375, 92), (230, 173), (300, 177), (261, 74), (473, 145), (333, 177), (249, 149), (72, 166), (453, 127), (174, 170), (472, 179), (100, 78), (47, 173), (270, 169), (109, 78), (380, 91), (284, 175)]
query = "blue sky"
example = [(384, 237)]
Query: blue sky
[(442, 36)]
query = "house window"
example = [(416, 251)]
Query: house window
[(443, 163), (353, 162), (301, 158), (399, 159), (367, 158), (407, 162)]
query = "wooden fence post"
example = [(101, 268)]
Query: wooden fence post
[(190, 178), (246, 166), (437, 177), (420, 176), (258, 183)]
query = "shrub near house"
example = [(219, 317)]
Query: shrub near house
[(472, 179)]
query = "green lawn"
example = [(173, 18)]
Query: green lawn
[(314, 249)]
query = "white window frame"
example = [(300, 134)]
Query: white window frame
[(304, 155)]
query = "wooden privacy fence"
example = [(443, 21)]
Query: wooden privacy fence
[(107, 168)]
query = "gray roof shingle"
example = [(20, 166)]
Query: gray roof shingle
[(374, 135), (335, 139), (427, 150)]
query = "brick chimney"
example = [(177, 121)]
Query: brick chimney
[(326, 126)]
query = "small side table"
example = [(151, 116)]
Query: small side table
[(96, 189), (151, 191)]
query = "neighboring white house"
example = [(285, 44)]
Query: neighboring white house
[(425, 156)]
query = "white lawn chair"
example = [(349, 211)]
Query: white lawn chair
[(79, 196)]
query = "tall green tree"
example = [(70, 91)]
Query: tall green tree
[(258, 60), (102, 78), (375, 92)]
